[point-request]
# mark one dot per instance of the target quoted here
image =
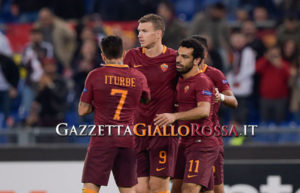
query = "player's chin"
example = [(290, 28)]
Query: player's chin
[(179, 68)]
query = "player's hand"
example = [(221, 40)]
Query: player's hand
[(164, 119), (217, 96)]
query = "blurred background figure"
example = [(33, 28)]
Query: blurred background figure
[(9, 79), (175, 32), (290, 29), (274, 86), (60, 35), (240, 76), (49, 106), (33, 55), (212, 22), (5, 45), (295, 90), (249, 31), (87, 60)]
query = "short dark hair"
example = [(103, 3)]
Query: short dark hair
[(112, 47), (156, 20), (202, 40), (198, 51)]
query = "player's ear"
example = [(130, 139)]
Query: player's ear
[(103, 57), (123, 55), (205, 54), (197, 61)]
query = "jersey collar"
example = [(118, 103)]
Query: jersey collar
[(204, 68), (118, 65), (164, 50)]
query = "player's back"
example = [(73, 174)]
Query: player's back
[(117, 90)]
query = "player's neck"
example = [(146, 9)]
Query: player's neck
[(195, 70), (202, 65), (154, 51), (114, 61)]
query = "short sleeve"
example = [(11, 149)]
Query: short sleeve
[(87, 93), (204, 90), (145, 88), (128, 58), (221, 81)]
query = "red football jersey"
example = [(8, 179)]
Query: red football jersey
[(115, 92), (190, 91), (161, 75), (219, 80)]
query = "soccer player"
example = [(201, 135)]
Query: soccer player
[(195, 101), (114, 92), (224, 95), (155, 155)]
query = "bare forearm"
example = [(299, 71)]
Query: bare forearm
[(230, 101)]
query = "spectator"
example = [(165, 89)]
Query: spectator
[(262, 20), (33, 54), (212, 22), (290, 29), (242, 15), (274, 90), (213, 59), (5, 45), (59, 34), (295, 90), (49, 106), (249, 31), (27, 11), (84, 63), (9, 78), (175, 31), (240, 77), (289, 51)]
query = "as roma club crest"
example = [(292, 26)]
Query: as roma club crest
[(186, 88), (164, 67)]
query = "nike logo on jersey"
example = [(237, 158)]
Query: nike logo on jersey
[(159, 169), (136, 66), (191, 176)]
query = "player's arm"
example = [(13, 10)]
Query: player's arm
[(226, 97), (200, 112), (84, 108), (146, 96)]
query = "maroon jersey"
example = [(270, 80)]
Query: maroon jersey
[(220, 82), (114, 91), (161, 75), (190, 91)]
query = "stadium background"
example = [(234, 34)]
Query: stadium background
[(34, 159)]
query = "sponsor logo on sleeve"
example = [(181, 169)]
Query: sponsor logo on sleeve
[(206, 92), (224, 81)]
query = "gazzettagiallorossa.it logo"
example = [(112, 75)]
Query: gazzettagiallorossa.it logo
[(141, 129)]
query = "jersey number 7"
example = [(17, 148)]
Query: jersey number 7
[(121, 102)]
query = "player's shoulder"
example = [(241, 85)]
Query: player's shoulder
[(214, 72), (171, 51), (134, 51), (204, 79)]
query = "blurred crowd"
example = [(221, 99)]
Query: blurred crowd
[(255, 43)]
